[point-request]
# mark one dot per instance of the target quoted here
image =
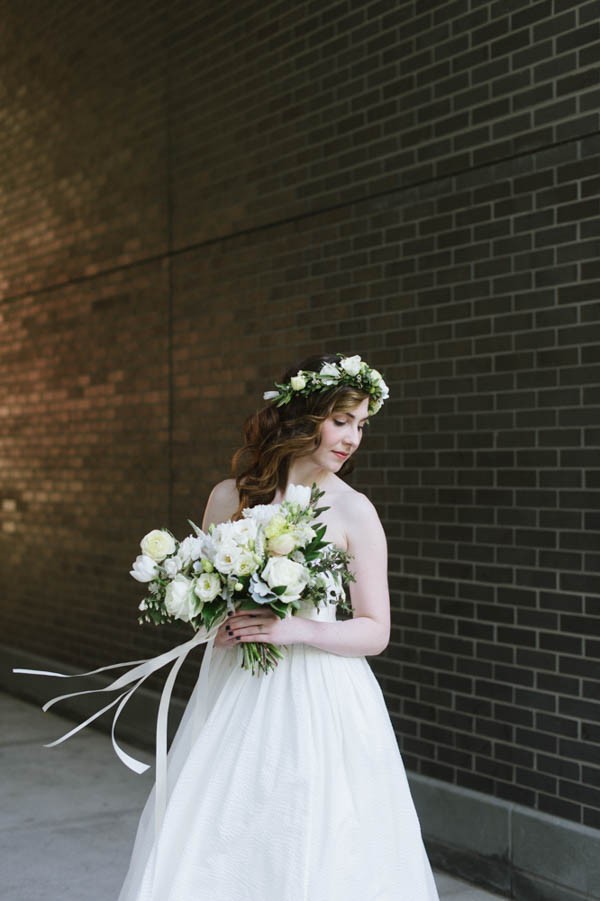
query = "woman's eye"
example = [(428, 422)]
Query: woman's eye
[(340, 421)]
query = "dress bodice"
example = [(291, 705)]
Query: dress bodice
[(325, 612)]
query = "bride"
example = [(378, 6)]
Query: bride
[(289, 786)]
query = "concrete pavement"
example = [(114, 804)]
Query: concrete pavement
[(68, 815)]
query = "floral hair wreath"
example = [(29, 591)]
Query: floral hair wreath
[(350, 371)]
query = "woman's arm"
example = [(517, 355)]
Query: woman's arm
[(369, 631)]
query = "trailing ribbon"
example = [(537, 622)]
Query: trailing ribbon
[(140, 672)]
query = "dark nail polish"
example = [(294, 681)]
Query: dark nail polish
[(237, 637), (230, 613)]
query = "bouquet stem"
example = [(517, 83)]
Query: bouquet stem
[(260, 657)]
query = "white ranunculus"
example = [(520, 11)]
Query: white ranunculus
[(158, 544), (173, 565), (144, 568), (303, 534), (329, 373), (377, 379), (298, 494), (246, 563), (283, 571), (180, 600), (298, 382), (244, 531), (281, 545), (262, 513), (190, 548), (351, 365), (207, 587), (277, 526), (227, 557)]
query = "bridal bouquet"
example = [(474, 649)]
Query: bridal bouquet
[(275, 555)]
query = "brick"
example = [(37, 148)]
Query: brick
[(419, 188), (587, 34)]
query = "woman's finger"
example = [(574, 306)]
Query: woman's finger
[(251, 618)]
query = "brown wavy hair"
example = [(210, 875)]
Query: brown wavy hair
[(275, 436)]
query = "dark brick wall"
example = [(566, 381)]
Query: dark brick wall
[(192, 196)]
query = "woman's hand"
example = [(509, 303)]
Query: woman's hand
[(260, 625)]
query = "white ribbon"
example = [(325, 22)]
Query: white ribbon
[(140, 672)]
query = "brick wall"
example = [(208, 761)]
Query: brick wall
[(194, 196)]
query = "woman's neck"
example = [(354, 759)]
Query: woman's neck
[(307, 472)]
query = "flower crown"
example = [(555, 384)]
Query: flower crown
[(350, 371)]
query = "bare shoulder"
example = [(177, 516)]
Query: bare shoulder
[(352, 501), (222, 503), (358, 512), (225, 491)]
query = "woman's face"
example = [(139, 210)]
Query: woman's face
[(340, 435)]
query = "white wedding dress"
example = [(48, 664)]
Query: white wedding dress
[(286, 786)]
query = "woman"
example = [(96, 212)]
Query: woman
[(288, 786)]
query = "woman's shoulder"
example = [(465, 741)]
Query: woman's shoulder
[(225, 491), (362, 525), (222, 502), (351, 502)]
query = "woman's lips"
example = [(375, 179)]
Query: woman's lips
[(341, 455)]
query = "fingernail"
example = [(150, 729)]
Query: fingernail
[(230, 613), (237, 637)]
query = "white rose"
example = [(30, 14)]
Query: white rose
[(282, 571), (298, 494), (180, 600), (207, 587), (172, 566), (281, 545), (158, 544), (329, 373), (351, 365), (298, 382), (144, 568)]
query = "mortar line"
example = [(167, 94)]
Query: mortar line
[(172, 253)]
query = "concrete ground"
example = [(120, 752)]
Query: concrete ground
[(68, 814)]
